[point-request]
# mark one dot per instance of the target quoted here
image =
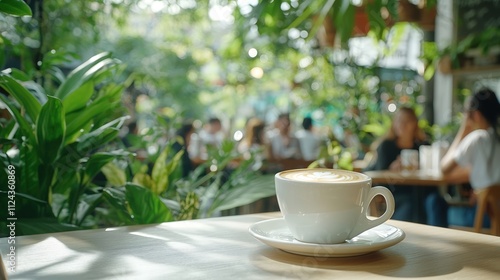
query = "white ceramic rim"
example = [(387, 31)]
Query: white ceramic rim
[(362, 180)]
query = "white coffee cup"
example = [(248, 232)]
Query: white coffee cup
[(328, 206)]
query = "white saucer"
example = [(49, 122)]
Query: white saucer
[(275, 233)]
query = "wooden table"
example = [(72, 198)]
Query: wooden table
[(222, 248), (413, 178)]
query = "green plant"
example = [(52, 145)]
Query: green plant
[(216, 185), (55, 140), (482, 41), (15, 8), (224, 182)]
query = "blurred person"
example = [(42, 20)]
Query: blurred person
[(254, 136), (403, 134), (309, 142), (282, 144), (182, 142), (211, 135), (474, 155), (253, 142)]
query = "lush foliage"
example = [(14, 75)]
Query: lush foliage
[(54, 139), (15, 8), (61, 142)]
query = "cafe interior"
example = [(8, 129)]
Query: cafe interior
[(420, 200)]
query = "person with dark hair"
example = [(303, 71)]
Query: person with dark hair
[(211, 136), (309, 142), (474, 155), (281, 143), (183, 137), (403, 134)]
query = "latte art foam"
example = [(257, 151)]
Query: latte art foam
[(323, 176)]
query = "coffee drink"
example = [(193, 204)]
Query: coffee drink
[(328, 206), (323, 175)]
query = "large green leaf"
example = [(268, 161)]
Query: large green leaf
[(87, 206), (15, 8), (50, 130), (99, 160), (99, 140), (22, 95), (116, 199), (23, 124), (260, 187), (83, 73), (100, 136), (28, 174), (146, 206), (17, 74), (79, 98), (86, 116), (344, 13)]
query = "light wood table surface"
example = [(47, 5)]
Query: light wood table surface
[(413, 178), (222, 248)]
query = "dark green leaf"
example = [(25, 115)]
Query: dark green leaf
[(50, 130), (98, 160), (85, 117), (22, 95), (17, 74), (87, 206), (115, 198), (98, 140), (345, 20), (28, 173), (15, 8), (83, 73), (23, 124)]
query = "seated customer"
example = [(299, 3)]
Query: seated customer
[(474, 155), (282, 144), (403, 134), (253, 142), (182, 142), (309, 142)]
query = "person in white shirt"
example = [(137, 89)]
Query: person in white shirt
[(474, 155), (309, 142), (210, 136)]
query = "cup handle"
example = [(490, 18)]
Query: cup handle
[(364, 223)]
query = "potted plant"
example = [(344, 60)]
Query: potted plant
[(478, 49)]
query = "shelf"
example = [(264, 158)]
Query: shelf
[(471, 71)]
